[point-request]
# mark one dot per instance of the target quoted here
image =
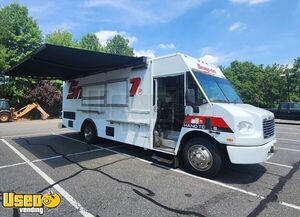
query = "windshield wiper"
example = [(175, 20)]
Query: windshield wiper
[(220, 100)]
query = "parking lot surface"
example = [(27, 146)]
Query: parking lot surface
[(115, 179)]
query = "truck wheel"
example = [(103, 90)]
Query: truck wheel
[(4, 117), (89, 133), (202, 157)]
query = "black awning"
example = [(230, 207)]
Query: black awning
[(52, 61)]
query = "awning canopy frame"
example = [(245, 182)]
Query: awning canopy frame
[(57, 62)]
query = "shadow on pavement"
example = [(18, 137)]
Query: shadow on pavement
[(53, 145)]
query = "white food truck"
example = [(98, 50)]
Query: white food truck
[(173, 104)]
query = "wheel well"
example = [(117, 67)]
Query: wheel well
[(5, 112), (86, 121), (200, 134)]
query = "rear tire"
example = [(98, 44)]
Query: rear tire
[(89, 133), (202, 157), (4, 117)]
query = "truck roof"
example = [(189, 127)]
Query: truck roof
[(188, 64)]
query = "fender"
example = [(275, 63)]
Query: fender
[(88, 120), (5, 111), (186, 134)]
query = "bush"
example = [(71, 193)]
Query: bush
[(48, 96)]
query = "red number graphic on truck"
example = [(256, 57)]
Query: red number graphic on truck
[(135, 84), (74, 90)]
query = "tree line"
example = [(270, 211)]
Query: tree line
[(265, 85), (260, 85)]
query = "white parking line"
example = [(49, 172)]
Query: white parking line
[(291, 140), (278, 132), (289, 205), (12, 165), (277, 164), (59, 156), (290, 149), (191, 175), (70, 138), (59, 189), (287, 126), (26, 135)]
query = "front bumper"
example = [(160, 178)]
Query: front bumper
[(251, 154)]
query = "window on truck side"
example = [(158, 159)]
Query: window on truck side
[(283, 106), (295, 107), (191, 84), (4, 105)]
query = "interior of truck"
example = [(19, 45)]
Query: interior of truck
[(170, 112)]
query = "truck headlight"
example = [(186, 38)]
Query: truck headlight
[(245, 127)]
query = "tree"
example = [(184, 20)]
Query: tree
[(272, 85), (19, 36), (294, 80), (259, 85), (119, 45), (90, 42), (62, 38), (244, 77), (3, 57)]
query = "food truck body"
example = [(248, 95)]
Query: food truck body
[(174, 104)]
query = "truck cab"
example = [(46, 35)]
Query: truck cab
[(5, 114), (200, 116), (288, 110)]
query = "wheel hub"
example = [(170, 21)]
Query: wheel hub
[(3, 118), (88, 133), (200, 157)]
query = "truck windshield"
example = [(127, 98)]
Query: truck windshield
[(217, 89)]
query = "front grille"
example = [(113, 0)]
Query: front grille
[(269, 128)]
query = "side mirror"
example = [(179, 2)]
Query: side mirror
[(190, 96), (191, 99)]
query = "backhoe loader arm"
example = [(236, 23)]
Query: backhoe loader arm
[(44, 115), (23, 111)]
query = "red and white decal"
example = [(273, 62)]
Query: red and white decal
[(206, 69), (74, 90), (135, 84), (207, 123)]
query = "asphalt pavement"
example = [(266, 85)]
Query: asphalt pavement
[(115, 179)]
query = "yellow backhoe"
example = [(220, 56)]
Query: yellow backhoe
[(7, 113)]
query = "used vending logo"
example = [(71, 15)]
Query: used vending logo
[(30, 203)]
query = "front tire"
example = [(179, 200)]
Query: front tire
[(89, 133), (202, 157), (4, 117)]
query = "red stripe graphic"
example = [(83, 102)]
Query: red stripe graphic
[(218, 122), (215, 121)]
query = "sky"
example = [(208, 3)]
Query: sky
[(217, 31)]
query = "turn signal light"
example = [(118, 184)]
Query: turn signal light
[(229, 139)]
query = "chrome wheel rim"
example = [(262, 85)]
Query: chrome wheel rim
[(88, 133), (200, 157)]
